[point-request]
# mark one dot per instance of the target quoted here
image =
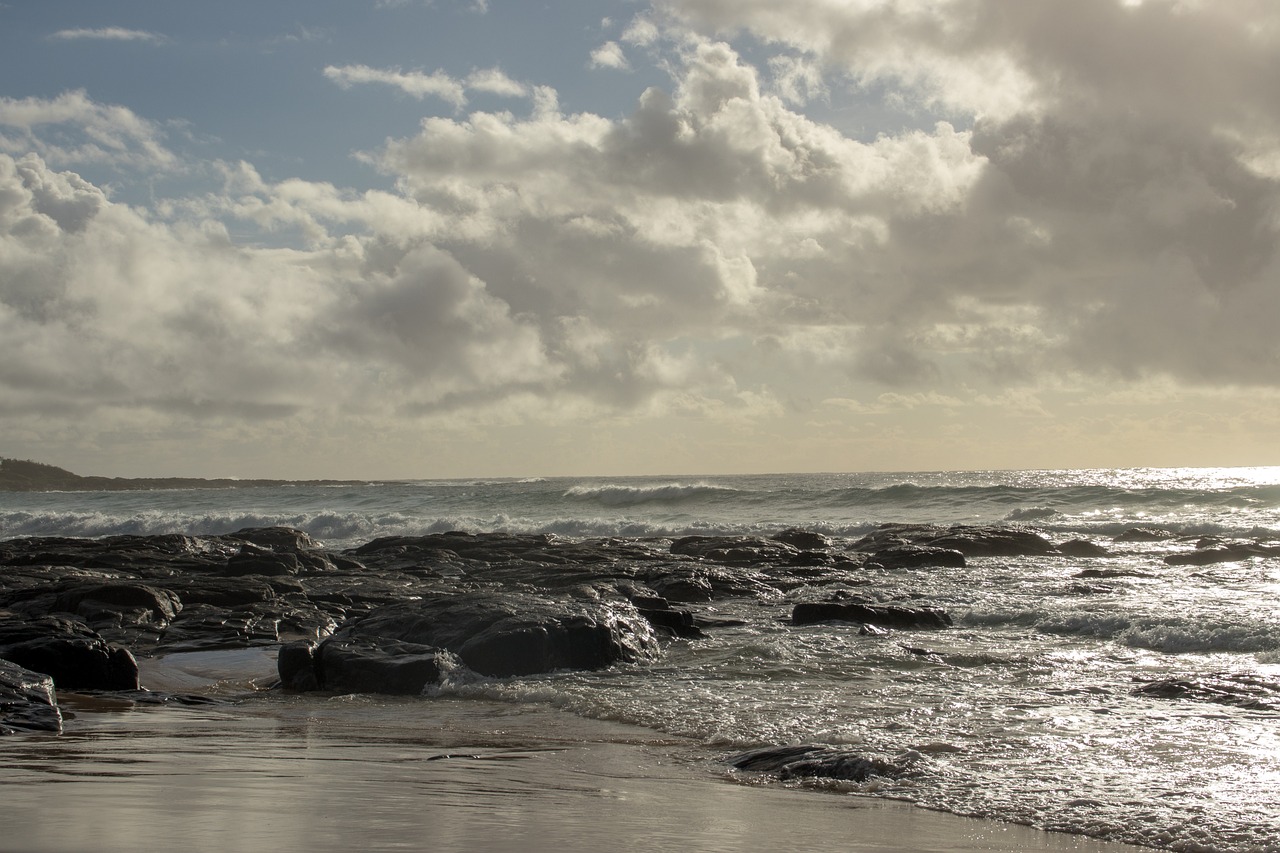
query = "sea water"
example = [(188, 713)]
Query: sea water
[(1029, 710)]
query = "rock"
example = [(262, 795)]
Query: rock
[(971, 541), (119, 603), (1240, 690), (346, 664), (885, 616), (735, 550), (1145, 534), (1082, 548), (275, 538), (296, 665), (203, 627), (917, 556), (264, 563), (677, 623), (1225, 553), (510, 633), (27, 702), (804, 540), (994, 542), (818, 760), (74, 655)]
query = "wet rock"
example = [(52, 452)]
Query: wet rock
[(884, 616), (275, 538), (74, 655), (264, 563), (1222, 553), (1145, 534), (1240, 690), (804, 540), (296, 666), (917, 556), (994, 542), (203, 627), (509, 633), (971, 541), (27, 701), (346, 664), (120, 603), (817, 760), (735, 550), (1082, 548)]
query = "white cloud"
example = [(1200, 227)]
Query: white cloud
[(108, 34), (609, 55), (495, 81), (419, 84), (99, 133)]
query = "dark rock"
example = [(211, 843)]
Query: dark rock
[(121, 603), (1227, 553), (275, 538), (203, 627), (296, 665), (265, 563), (971, 541), (694, 582), (1239, 690), (1082, 548), (918, 556), (1111, 573), (816, 760), (994, 542), (804, 540), (885, 616), (372, 664), (509, 633), (1145, 534), (27, 702), (75, 656), (677, 623), (735, 550)]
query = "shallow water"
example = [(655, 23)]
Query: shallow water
[(295, 773)]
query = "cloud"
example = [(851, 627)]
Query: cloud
[(609, 55), (94, 133), (416, 83), (492, 81), (108, 34)]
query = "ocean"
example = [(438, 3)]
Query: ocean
[(1117, 696)]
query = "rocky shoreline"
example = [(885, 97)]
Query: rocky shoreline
[(397, 614)]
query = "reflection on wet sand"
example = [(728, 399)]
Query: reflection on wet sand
[(285, 773)]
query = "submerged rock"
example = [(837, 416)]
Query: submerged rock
[(885, 616), (1240, 690), (818, 760), (1216, 551)]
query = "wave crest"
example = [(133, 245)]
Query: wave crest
[(616, 495)]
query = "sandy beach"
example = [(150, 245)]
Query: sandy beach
[(287, 773)]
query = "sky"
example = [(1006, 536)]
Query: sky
[(452, 238)]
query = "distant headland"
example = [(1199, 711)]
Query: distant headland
[(18, 475)]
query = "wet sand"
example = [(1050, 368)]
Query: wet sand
[(283, 773)]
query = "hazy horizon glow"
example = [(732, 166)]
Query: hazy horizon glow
[(429, 239)]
